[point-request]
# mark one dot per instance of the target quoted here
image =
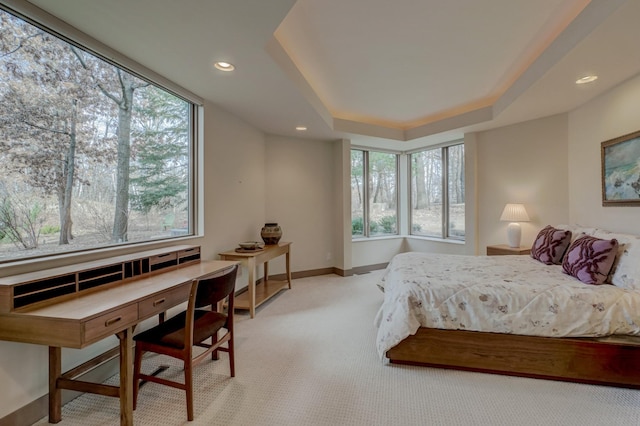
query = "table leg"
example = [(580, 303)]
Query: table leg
[(266, 273), (288, 268), (126, 376), (252, 287), (55, 394)]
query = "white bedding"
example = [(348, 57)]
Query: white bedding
[(502, 294)]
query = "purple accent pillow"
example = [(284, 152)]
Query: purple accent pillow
[(590, 259), (550, 245)]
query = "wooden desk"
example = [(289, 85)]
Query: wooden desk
[(257, 295), (87, 317)]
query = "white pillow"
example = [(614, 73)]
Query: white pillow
[(577, 231), (625, 272)]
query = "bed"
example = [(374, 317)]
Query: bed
[(516, 315)]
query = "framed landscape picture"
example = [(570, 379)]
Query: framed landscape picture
[(621, 171)]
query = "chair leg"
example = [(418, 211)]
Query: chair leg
[(214, 355), (232, 361), (136, 375), (188, 381)]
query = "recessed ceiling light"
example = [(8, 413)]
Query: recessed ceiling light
[(301, 128), (224, 66), (587, 79)]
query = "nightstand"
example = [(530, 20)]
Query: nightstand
[(503, 249)]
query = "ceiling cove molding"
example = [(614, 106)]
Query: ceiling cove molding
[(453, 122), (479, 115), (367, 129)]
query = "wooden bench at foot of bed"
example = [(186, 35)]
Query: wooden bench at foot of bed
[(611, 361)]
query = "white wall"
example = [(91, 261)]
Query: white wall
[(234, 210), (342, 197), (300, 198), (523, 163), (614, 114), (434, 246), (234, 183), (366, 252)]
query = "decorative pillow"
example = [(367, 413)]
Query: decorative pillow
[(625, 272), (550, 245), (590, 259)]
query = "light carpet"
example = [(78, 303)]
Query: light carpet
[(309, 358)]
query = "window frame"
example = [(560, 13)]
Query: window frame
[(445, 225), (48, 23), (366, 234)]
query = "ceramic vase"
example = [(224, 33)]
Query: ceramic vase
[(271, 233)]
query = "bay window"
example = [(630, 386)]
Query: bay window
[(438, 192), (374, 195)]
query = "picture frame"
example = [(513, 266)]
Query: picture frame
[(621, 170)]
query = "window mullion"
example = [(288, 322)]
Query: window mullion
[(445, 192), (365, 191)]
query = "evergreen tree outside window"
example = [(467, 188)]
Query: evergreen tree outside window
[(92, 155), (374, 196)]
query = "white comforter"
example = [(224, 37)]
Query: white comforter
[(502, 294)]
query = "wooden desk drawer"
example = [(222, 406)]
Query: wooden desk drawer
[(110, 323), (163, 261), (189, 255), (163, 301)]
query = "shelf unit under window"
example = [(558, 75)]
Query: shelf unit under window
[(24, 290)]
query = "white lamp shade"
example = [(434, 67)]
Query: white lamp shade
[(514, 213)]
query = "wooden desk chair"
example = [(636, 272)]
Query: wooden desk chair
[(177, 336)]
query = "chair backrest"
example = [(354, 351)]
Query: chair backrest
[(215, 287)]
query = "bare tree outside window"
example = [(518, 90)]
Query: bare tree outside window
[(91, 154), (357, 193), (426, 193), (455, 186), (437, 192)]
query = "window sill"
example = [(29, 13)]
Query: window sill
[(435, 239), (377, 238), (408, 237), (20, 266)]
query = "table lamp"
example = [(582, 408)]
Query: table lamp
[(514, 213)]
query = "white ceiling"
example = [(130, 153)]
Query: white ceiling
[(407, 71)]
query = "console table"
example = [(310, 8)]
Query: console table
[(257, 295), (78, 305)]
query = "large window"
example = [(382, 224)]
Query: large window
[(437, 192), (374, 195), (91, 155)]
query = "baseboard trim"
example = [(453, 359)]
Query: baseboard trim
[(326, 271), (303, 274), (39, 408), (29, 414), (365, 269)]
